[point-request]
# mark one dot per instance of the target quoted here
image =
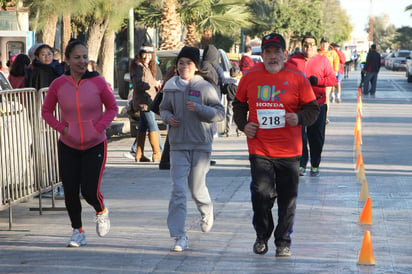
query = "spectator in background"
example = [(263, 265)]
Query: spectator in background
[(246, 62), (348, 62), (142, 74), (339, 77), (17, 70), (44, 69), (372, 67), (2, 69), (333, 58), (230, 91), (92, 66)]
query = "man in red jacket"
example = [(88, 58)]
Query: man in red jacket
[(318, 70)]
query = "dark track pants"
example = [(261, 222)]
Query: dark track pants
[(274, 178), (82, 170), (314, 135)]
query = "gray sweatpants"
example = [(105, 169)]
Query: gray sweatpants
[(187, 168)]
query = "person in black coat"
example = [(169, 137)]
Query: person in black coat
[(44, 69), (371, 68)]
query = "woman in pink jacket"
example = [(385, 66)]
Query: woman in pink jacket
[(82, 146)]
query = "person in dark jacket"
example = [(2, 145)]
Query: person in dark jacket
[(44, 69), (17, 70), (372, 66)]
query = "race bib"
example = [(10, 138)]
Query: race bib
[(271, 118)]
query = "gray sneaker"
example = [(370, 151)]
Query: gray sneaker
[(103, 223), (283, 251), (78, 239), (206, 223), (181, 243)]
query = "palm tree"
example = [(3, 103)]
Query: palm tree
[(211, 16)]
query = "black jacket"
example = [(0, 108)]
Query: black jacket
[(40, 75)]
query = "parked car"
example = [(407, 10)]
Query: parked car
[(389, 60), (383, 57), (4, 83), (399, 62), (409, 67)]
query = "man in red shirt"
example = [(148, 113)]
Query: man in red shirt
[(246, 62), (272, 102), (318, 70)]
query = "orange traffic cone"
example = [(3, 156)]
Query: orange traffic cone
[(361, 174), (366, 253), (358, 124), (364, 193), (358, 137), (366, 214), (357, 149), (359, 161), (359, 106), (359, 92)]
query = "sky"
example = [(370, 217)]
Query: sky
[(359, 10)]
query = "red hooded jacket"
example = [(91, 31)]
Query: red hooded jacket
[(318, 66)]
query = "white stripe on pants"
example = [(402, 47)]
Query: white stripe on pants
[(187, 168)]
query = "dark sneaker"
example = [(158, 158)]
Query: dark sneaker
[(260, 247), (302, 171), (314, 172), (283, 251)]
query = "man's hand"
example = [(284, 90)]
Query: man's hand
[(174, 122), (292, 119), (313, 80), (191, 106), (251, 129)]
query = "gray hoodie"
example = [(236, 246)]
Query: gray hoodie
[(196, 128)]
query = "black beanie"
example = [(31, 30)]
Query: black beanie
[(190, 52)]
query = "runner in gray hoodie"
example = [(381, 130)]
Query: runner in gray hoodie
[(190, 107)]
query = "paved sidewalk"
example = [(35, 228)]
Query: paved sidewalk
[(327, 236)]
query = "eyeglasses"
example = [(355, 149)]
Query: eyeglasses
[(309, 45), (46, 55)]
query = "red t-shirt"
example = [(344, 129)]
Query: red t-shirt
[(269, 97), (246, 63)]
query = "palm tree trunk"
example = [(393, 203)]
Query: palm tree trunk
[(49, 31), (66, 32), (107, 57), (94, 40), (206, 37), (170, 27), (192, 38)]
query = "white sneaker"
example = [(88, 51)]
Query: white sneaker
[(103, 223), (206, 223), (78, 239), (181, 243), (129, 155)]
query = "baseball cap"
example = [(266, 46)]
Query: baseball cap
[(324, 39), (273, 39)]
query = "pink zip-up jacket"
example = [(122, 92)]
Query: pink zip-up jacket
[(81, 109)]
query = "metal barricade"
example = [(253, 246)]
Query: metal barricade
[(28, 148)]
